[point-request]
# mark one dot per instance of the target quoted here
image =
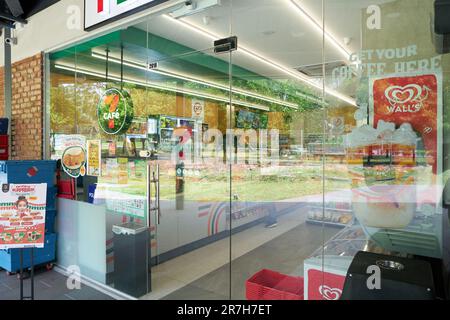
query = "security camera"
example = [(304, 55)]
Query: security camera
[(191, 5), (11, 41)]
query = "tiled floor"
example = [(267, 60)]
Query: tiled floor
[(284, 254), (48, 285), (183, 270)]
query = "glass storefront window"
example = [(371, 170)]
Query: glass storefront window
[(273, 164)]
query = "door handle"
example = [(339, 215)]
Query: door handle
[(153, 180)]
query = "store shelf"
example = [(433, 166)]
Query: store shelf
[(328, 223), (332, 209)]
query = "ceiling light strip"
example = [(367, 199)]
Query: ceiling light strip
[(318, 26), (140, 66), (164, 88), (269, 62)]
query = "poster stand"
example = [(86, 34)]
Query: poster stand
[(31, 297)]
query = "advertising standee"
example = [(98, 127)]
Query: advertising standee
[(22, 215)]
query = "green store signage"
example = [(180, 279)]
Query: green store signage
[(115, 111)]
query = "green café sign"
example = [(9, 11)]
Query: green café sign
[(115, 111)]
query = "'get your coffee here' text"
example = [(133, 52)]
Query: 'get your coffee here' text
[(366, 63)]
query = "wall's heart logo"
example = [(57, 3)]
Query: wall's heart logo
[(397, 94), (409, 98), (330, 293)]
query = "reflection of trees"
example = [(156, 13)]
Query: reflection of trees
[(73, 108)]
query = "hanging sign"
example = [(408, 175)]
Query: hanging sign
[(100, 12), (198, 109), (22, 215), (115, 111)]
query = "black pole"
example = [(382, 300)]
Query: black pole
[(8, 85), (32, 273), (107, 66), (121, 67), (21, 274)]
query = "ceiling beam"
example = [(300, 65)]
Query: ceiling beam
[(15, 7), (39, 6), (11, 18)]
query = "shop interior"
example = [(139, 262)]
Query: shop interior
[(235, 158)]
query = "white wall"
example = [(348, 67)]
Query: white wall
[(49, 28)]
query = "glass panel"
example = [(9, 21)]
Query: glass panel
[(161, 168), (392, 136), (277, 148), (188, 111)]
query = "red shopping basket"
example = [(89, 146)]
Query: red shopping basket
[(271, 285)]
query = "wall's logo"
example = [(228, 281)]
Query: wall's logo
[(115, 111), (409, 98), (330, 293)]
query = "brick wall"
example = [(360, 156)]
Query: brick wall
[(27, 108)]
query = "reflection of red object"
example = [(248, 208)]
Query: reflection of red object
[(183, 133), (32, 172), (271, 285), (324, 285)]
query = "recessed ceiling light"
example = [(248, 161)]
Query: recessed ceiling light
[(268, 32)]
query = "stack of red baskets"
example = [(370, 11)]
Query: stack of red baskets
[(4, 146), (271, 285)]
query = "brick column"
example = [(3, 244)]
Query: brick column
[(27, 108)]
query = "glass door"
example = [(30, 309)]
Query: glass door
[(189, 175)]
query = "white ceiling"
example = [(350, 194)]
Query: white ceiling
[(272, 28)]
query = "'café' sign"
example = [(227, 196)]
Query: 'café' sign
[(115, 111)]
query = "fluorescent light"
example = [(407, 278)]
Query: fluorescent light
[(267, 61), (189, 78), (318, 27), (164, 88)]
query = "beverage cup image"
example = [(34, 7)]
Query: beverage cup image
[(383, 178), (389, 207)]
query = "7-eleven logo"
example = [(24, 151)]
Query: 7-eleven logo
[(103, 6)]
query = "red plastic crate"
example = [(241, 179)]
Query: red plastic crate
[(271, 285), (66, 189), (4, 153), (3, 140)]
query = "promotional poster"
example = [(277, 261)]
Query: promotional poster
[(22, 215), (94, 153), (413, 99)]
